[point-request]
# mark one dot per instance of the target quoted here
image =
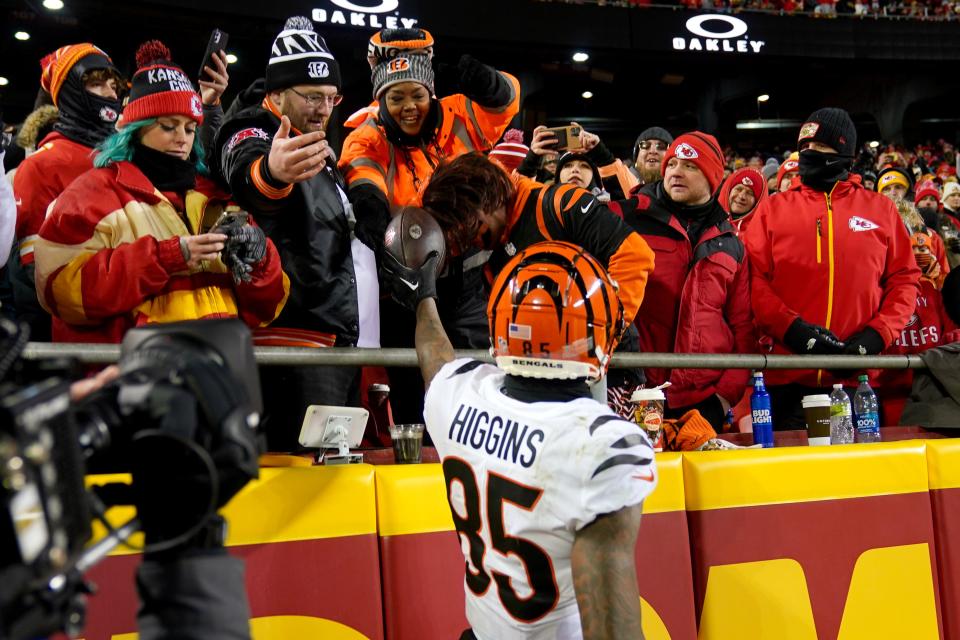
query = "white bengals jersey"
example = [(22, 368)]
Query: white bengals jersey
[(522, 479)]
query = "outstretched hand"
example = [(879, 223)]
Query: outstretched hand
[(409, 286), (297, 158)]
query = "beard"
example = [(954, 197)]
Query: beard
[(649, 176)]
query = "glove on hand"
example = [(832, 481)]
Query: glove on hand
[(804, 338), (866, 343), (406, 285), (245, 248)]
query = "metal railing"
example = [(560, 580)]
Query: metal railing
[(344, 356)]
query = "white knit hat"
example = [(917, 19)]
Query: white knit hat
[(949, 188)]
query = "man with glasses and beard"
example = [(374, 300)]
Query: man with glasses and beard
[(648, 153), (280, 167)]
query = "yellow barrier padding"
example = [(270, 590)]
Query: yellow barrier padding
[(943, 462), (304, 503), (668, 496), (744, 478), (412, 498), (285, 504)]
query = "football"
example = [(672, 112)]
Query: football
[(412, 235)]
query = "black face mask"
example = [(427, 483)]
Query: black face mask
[(166, 172), (84, 117), (929, 215), (821, 171)]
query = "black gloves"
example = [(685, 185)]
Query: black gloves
[(866, 343), (953, 244), (406, 285), (479, 82), (245, 248), (804, 338)]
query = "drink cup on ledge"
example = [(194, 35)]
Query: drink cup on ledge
[(407, 442), (816, 408)]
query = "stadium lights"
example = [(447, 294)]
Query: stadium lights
[(231, 59), (763, 97), (581, 56), (874, 144), (21, 35), (53, 5), (3, 81), (586, 95)]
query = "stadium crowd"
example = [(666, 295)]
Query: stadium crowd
[(895, 9), (147, 201)]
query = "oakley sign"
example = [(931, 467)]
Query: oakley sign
[(354, 14), (730, 37)]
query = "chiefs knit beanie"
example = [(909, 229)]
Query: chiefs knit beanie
[(894, 175), (790, 165), (300, 56), (832, 127), (160, 88), (57, 65), (926, 189), (703, 150), (511, 152)]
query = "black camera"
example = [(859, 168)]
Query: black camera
[(182, 415)]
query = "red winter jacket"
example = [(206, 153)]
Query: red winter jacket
[(841, 260), (697, 299), (40, 179)]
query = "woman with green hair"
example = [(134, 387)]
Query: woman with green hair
[(140, 238)]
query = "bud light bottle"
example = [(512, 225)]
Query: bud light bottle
[(760, 412), (867, 412)]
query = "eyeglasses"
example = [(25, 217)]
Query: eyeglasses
[(657, 145), (317, 99)]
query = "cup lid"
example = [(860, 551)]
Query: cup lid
[(818, 400), (647, 394)]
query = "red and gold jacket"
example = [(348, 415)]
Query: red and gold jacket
[(108, 258)]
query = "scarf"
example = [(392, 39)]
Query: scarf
[(166, 172), (821, 171)]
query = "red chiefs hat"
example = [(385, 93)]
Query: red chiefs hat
[(703, 150), (928, 188), (160, 88)]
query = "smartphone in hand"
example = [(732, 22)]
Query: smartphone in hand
[(218, 42), (568, 138)]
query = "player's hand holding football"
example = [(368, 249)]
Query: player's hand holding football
[(409, 286)]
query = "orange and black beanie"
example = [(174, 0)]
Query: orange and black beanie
[(390, 43), (160, 88), (300, 56)]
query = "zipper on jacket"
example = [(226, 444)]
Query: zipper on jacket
[(830, 269), (819, 242)]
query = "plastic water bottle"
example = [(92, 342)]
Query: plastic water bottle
[(841, 416), (760, 412), (866, 410)]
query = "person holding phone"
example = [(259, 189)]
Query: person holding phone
[(130, 242), (213, 82)]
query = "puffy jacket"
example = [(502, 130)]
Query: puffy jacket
[(307, 221), (697, 299), (401, 173), (108, 258), (841, 260)]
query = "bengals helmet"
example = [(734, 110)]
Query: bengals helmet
[(554, 313)]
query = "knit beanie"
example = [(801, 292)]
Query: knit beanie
[(300, 56), (511, 151), (390, 43), (894, 175), (924, 190), (651, 133), (949, 189), (408, 67), (703, 150), (747, 177), (790, 165), (832, 127), (160, 88), (57, 65), (568, 157), (771, 168)]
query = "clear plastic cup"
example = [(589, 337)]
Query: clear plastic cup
[(407, 442)]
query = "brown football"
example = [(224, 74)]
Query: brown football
[(412, 235)]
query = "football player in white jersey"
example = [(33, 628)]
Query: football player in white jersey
[(545, 484)]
